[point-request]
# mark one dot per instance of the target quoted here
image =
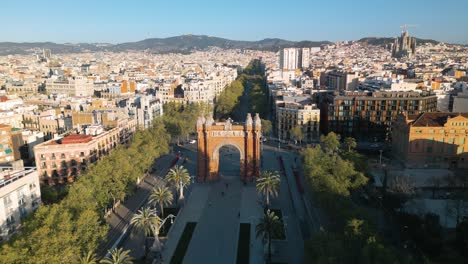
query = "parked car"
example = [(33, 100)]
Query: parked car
[(193, 141)]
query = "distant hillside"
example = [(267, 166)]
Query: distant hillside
[(384, 41), (201, 42), (7, 48), (184, 43), (180, 44)]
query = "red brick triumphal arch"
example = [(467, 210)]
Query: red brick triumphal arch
[(243, 136)]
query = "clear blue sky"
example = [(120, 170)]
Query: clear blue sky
[(131, 20)]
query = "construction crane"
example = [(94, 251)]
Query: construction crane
[(406, 26)]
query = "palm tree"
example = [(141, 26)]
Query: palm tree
[(268, 184), (118, 256), (89, 258), (179, 177), (147, 219), (161, 196), (269, 226)]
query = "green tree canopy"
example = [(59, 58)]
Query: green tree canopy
[(297, 133), (350, 143), (266, 127), (330, 142)]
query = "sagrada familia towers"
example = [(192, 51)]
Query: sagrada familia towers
[(404, 46)]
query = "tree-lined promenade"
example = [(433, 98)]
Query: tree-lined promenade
[(74, 227), (251, 86)]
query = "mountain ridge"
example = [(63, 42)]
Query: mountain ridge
[(177, 44)]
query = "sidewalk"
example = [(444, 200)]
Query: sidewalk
[(120, 218), (292, 249)]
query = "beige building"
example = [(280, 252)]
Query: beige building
[(21, 88), (304, 114), (79, 86), (61, 160), (437, 140)]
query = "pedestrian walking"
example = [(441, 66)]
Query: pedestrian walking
[(227, 185), (238, 215), (222, 193)]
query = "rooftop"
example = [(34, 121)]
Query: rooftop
[(72, 139), (9, 175), (435, 119)]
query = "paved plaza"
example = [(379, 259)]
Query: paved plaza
[(219, 208)]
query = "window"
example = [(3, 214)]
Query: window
[(460, 150), (7, 200), (10, 220), (461, 140), (62, 156), (441, 131), (431, 131), (21, 201), (53, 156), (452, 131)]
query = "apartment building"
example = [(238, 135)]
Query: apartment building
[(293, 113), (341, 81), (20, 194), (369, 115), (21, 87), (61, 160), (437, 140), (77, 86)]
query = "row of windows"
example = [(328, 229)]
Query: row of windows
[(62, 155), (459, 123), (441, 131)]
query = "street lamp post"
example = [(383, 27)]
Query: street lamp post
[(380, 157), (157, 244)]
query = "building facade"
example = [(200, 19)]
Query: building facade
[(61, 160), (437, 140), (20, 194), (341, 81), (369, 115), (292, 114), (78, 86)]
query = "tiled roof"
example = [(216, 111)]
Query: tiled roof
[(435, 119)]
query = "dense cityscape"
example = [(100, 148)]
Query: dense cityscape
[(198, 149)]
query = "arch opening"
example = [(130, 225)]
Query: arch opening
[(229, 161)]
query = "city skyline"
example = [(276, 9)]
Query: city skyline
[(118, 22)]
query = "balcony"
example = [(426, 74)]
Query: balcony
[(10, 176)]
